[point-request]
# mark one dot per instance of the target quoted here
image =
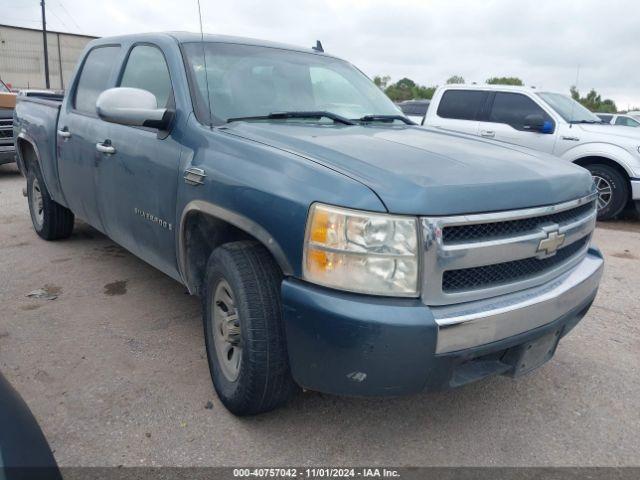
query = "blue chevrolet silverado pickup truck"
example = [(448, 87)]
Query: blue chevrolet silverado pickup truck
[(335, 245)]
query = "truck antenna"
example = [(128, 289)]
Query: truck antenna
[(318, 47), (574, 100), (204, 61)]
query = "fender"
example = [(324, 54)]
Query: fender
[(56, 194), (239, 221), (614, 153), (22, 165)]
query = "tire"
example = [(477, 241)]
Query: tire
[(244, 332), (50, 220), (613, 190)]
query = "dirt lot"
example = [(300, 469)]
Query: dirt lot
[(114, 369)]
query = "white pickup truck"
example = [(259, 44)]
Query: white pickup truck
[(549, 122)]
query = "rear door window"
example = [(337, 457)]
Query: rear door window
[(147, 69), (513, 109), (461, 104), (97, 71)]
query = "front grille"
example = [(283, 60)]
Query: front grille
[(6, 131), (507, 272), (487, 231)]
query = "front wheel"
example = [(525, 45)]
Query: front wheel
[(613, 190), (244, 332), (50, 220)]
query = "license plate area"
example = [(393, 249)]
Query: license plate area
[(533, 354)]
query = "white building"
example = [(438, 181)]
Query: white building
[(22, 57)]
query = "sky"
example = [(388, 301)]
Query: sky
[(544, 42)]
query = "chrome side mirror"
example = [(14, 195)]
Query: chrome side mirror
[(132, 106)]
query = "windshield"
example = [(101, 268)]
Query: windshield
[(251, 81), (418, 109), (3, 87), (569, 109)]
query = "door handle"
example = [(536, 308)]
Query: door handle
[(194, 176), (106, 147), (64, 133), (487, 133)]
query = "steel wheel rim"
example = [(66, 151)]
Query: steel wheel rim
[(605, 191), (226, 331), (37, 205)]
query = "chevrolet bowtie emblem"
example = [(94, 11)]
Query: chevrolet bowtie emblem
[(551, 244)]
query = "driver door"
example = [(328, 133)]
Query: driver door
[(506, 120)]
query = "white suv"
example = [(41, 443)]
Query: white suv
[(548, 122)]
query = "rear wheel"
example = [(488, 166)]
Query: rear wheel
[(50, 220), (613, 190), (244, 332)]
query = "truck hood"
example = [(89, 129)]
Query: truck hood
[(429, 172), (611, 131)]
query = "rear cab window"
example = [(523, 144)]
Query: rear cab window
[(97, 71), (513, 109), (462, 104)]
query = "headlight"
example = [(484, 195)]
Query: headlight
[(361, 252)]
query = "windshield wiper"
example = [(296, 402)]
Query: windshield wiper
[(286, 115), (386, 118)]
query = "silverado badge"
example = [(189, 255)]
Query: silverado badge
[(153, 218)]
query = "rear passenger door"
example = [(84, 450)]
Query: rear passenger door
[(508, 120), (459, 110), (79, 128)]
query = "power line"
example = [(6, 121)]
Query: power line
[(70, 16), (59, 19)]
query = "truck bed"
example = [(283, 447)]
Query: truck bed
[(36, 120)]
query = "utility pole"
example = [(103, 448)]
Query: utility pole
[(44, 42)]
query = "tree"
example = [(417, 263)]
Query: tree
[(381, 82), (593, 101), (505, 81), (420, 92), (455, 79), (404, 89)]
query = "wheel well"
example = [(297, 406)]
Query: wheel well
[(201, 234), (27, 153), (583, 162)]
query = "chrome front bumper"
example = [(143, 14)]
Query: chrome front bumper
[(481, 322)]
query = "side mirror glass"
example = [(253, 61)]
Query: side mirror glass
[(132, 106)]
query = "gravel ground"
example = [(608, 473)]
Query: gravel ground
[(115, 371)]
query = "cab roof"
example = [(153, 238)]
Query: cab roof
[(190, 37)]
